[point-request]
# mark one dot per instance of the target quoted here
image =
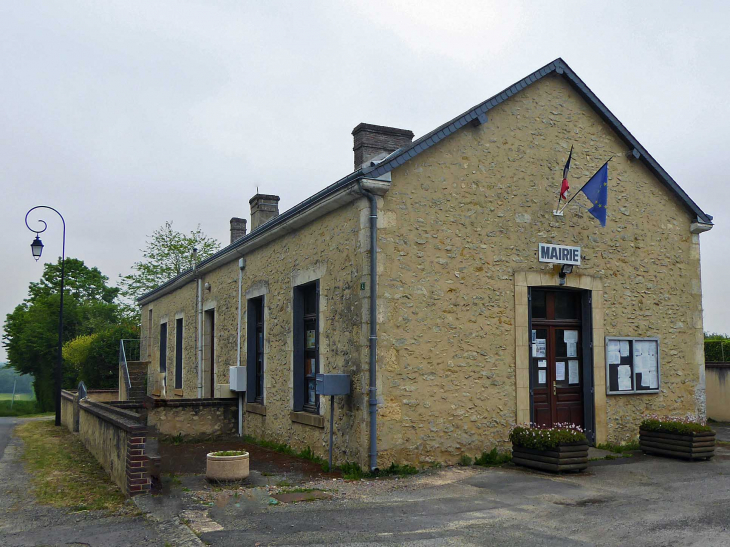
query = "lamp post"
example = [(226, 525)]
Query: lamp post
[(37, 249)]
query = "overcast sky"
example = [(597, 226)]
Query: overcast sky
[(125, 114)]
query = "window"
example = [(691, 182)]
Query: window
[(178, 353), (255, 350), (163, 347), (306, 347), (632, 365)]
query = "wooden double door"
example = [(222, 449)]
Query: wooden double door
[(557, 358)]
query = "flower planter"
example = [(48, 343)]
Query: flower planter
[(227, 468), (563, 457), (695, 446)]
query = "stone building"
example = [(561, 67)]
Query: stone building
[(475, 330)]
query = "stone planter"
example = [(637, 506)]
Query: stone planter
[(227, 468), (564, 457), (697, 446)]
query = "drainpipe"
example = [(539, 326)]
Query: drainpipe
[(373, 390), (200, 338), (241, 266)]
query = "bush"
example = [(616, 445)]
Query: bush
[(717, 348), (493, 458), (230, 453), (544, 438), (465, 461), (687, 425)]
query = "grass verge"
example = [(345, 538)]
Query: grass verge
[(64, 473), (630, 446), (20, 408)]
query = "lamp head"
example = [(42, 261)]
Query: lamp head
[(37, 248)]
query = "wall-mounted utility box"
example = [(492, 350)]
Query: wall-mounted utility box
[(333, 384), (238, 378)]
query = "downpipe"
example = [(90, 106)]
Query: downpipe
[(373, 390), (200, 338)]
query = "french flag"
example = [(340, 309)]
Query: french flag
[(565, 186)]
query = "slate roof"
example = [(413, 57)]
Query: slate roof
[(478, 112)]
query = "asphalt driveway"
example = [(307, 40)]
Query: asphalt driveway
[(640, 501)]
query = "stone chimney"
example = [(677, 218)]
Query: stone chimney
[(372, 141), (238, 228), (263, 208)]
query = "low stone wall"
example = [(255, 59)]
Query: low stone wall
[(116, 438), (67, 409), (102, 395), (192, 418), (717, 391)]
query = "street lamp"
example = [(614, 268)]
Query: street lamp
[(37, 249)]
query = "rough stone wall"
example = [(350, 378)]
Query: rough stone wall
[(469, 213), (329, 249), (195, 419)]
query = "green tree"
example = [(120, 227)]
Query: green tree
[(168, 253), (31, 331)]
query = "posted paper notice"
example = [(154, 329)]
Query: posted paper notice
[(624, 378), (541, 376), (573, 372), (560, 370), (542, 363), (624, 348)]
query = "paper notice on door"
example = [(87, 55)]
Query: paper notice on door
[(573, 372), (624, 378), (614, 358), (570, 336), (560, 371), (542, 363), (644, 379), (613, 345), (624, 348), (539, 348), (572, 350), (541, 376), (534, 336)]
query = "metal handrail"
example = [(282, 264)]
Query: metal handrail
[(123, 364)]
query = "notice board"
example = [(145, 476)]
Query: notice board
[(632, 365)]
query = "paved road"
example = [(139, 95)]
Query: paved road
[(643, 501), (24, 522)]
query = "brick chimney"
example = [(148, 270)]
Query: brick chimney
[(238, 228), (263, 208), (374, 140)]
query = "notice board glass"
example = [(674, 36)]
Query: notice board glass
[(632, 365)]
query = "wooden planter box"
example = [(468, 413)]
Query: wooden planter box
[(564, 457), (698, 446)]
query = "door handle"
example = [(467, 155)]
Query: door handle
[(555, 391)]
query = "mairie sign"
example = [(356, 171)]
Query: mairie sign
[(559, 254)]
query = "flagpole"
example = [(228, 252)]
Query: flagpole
[(581, 188)]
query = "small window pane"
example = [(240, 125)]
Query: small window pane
[(539, 309), (566, 305)]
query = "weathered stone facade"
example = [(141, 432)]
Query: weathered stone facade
[(457, 249)]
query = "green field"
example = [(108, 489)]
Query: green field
[(24, 405), (18, 397)]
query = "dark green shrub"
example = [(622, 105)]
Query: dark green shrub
[(493, 458), (465, 461), (679, 426)]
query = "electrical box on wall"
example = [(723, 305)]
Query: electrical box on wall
[(333, 384), (238, 378)]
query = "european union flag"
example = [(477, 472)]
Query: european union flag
[(596, 190)]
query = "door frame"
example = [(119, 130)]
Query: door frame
[(587, 366)]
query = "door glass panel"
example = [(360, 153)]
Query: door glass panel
[(539, 358), (539, 308), (566, 305)]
